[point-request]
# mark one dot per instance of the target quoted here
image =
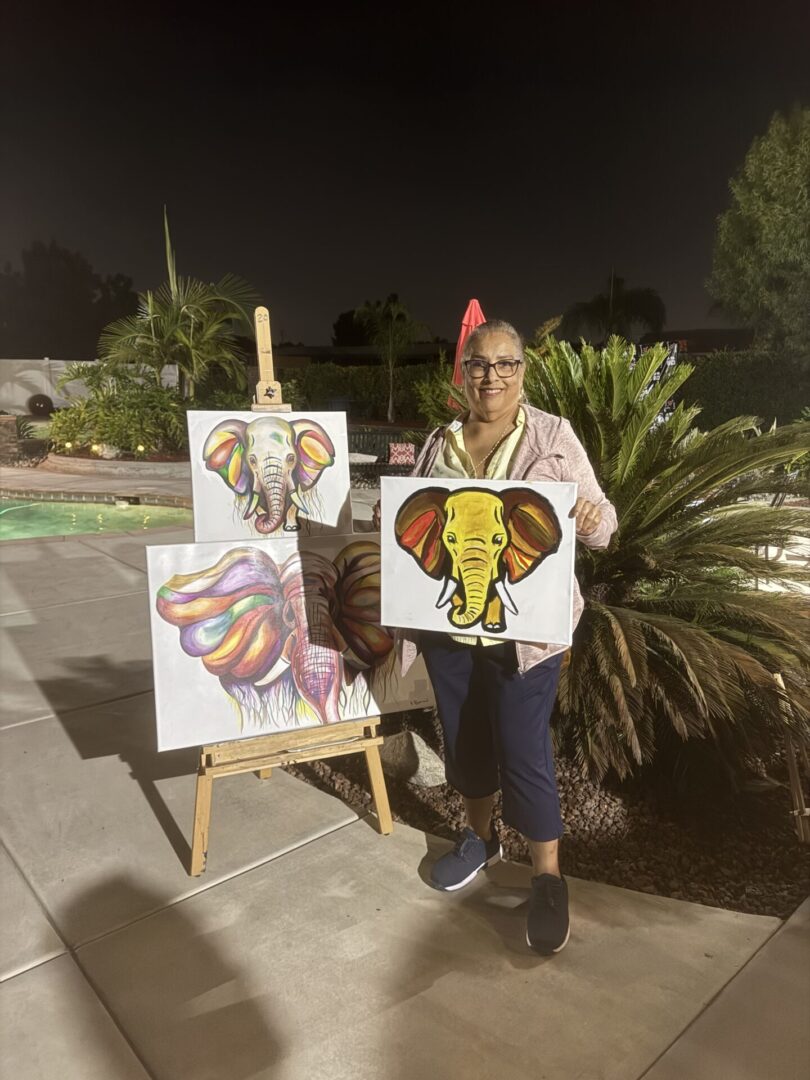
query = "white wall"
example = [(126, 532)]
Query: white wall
[(19, 379)]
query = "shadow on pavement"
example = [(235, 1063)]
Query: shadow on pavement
[(186, 1009), (125, 728)]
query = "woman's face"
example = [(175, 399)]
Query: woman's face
[(494, 397)]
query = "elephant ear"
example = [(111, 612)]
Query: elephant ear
[(316, 452), (224, 453), (229, 615), (357, 596), (418, 528), (534, 531)]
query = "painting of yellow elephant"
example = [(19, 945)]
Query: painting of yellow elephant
[(479, 558), (257, 475)]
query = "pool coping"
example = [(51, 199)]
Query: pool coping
[(141, 499)]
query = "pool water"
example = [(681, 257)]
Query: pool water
[(22, 519)]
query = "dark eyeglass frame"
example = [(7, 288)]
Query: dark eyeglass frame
[(485, 365)]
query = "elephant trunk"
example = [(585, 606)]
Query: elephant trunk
[(274, 482), (475, 574)]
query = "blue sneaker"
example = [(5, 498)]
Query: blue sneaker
[(458, 867), (548, 926)]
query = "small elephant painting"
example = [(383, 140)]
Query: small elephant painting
[(479, 542), (274, 472)]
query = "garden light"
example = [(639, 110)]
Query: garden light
[(140, 448), (68, 445)]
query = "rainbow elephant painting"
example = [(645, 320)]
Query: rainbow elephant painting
[(255, 638), (269, 474), (479, 558)]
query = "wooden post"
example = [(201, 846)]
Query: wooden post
[(268, 390), (262, 754), (379, 792), (800, 812)]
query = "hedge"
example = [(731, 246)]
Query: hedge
[(727, 384), (362, 390)]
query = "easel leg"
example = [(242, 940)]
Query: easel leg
[(264, 774), (202, 820), (379, 792)]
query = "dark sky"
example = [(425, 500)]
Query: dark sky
[(514, 155)]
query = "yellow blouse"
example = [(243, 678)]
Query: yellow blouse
[(454, 463)]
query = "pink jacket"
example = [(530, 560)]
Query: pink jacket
[(548, 450)]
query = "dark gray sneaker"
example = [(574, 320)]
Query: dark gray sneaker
[(458, 867), (548, 927)]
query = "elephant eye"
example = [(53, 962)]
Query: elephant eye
[(252, 459), (290, 459), (451, 538), (498, 538)]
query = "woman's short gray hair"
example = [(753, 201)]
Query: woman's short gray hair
[(494, 326)]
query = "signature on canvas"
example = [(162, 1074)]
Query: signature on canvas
[(294, 644), (475, 542), (273, 466)]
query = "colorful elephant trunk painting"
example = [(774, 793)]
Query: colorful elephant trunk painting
[(272, 465), (476, 542), (288, 639)]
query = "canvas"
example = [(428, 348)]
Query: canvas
[(256, 475), (483, 558), (259, 637)]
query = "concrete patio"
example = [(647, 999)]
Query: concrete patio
[(311, 947)]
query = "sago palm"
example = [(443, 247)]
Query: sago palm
[(685, 622), (185, 322)]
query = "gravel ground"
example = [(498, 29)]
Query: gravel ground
[(738, 852)]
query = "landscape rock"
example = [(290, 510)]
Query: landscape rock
[(407, 756)]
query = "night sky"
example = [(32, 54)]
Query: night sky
[(515, 156)]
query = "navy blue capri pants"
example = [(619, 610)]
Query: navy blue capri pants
[(496, 729)]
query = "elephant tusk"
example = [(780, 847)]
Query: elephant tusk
[(281, 665), (448, 591), (508, 602), (253, 503)]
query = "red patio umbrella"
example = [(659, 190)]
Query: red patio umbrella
[(473, 317)]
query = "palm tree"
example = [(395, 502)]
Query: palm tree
[(617, 310), (184, 322), (391, 330), (685, 623)]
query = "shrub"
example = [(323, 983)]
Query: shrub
[(362, 389), (124, 407), (751, 383)]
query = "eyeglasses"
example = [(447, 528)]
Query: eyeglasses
[(505, 369)]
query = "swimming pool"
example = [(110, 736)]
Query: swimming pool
[(24, 518)]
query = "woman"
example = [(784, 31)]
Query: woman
[(495, 697)]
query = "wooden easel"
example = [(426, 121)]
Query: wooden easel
[(268, 390), (262, 754)]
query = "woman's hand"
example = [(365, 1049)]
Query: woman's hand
[(375, 516), (588, 516)]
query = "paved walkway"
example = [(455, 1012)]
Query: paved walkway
[(311, 947)]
